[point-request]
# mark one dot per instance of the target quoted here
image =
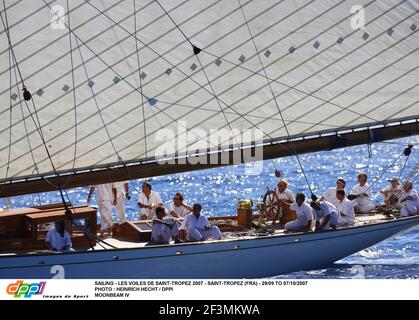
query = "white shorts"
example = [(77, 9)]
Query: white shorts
[(295, 225), (198, 234)]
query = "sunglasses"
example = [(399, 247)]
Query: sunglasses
[(176, 198)]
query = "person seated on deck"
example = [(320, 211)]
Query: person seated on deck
[(392, 189), (197, 226), (409, 200), (148, 201), (361, 193), (178, 208), (345, 209), (325, 214), (330, 194), (305, 218), (58, 239), (164, 228)]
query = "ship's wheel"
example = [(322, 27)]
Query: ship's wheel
[(272, 206)]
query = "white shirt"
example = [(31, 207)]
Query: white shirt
[(347, 207), (104, 192), (181, 211), (56, 241), (330, 196), (154, 198), (120, 188), (356, 190), (304, 213), (286, 195), (412, 193), (191, 222), (390, 191)]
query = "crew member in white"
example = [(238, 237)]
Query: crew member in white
[(283, 193), (198, 227), (104, 199), (409, 200), (164, 228), (120, 191), (178, 208), (362, 191), (393, 188), (148, 201), (58, 239), (305, 219), (284, 196), (330, 194), (345, 209), (325, 214)]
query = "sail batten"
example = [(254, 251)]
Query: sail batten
[(325, 74)]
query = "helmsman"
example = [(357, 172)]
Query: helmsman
[(363, 193)]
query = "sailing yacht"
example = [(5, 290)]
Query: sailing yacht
[(99, 91)]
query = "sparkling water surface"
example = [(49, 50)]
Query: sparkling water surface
[(219, 189)]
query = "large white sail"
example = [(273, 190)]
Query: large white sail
[(329, 64)]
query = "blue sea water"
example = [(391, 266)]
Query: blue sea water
[(219, 189)]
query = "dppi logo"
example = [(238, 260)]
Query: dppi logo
[(27, 290)]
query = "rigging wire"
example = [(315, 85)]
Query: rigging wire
[(125, 80), (99, 110), (141, 85), (27, 96), (216, 98), (9, 152), (385, 170), (276, 101), (6, 28), (407, 152), (74, 87), (95, 101), (197, 50)]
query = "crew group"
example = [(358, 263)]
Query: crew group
[(335, 208)]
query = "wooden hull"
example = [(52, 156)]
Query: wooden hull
[(241, 258)]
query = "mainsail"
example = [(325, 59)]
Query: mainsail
[(107, 76)]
